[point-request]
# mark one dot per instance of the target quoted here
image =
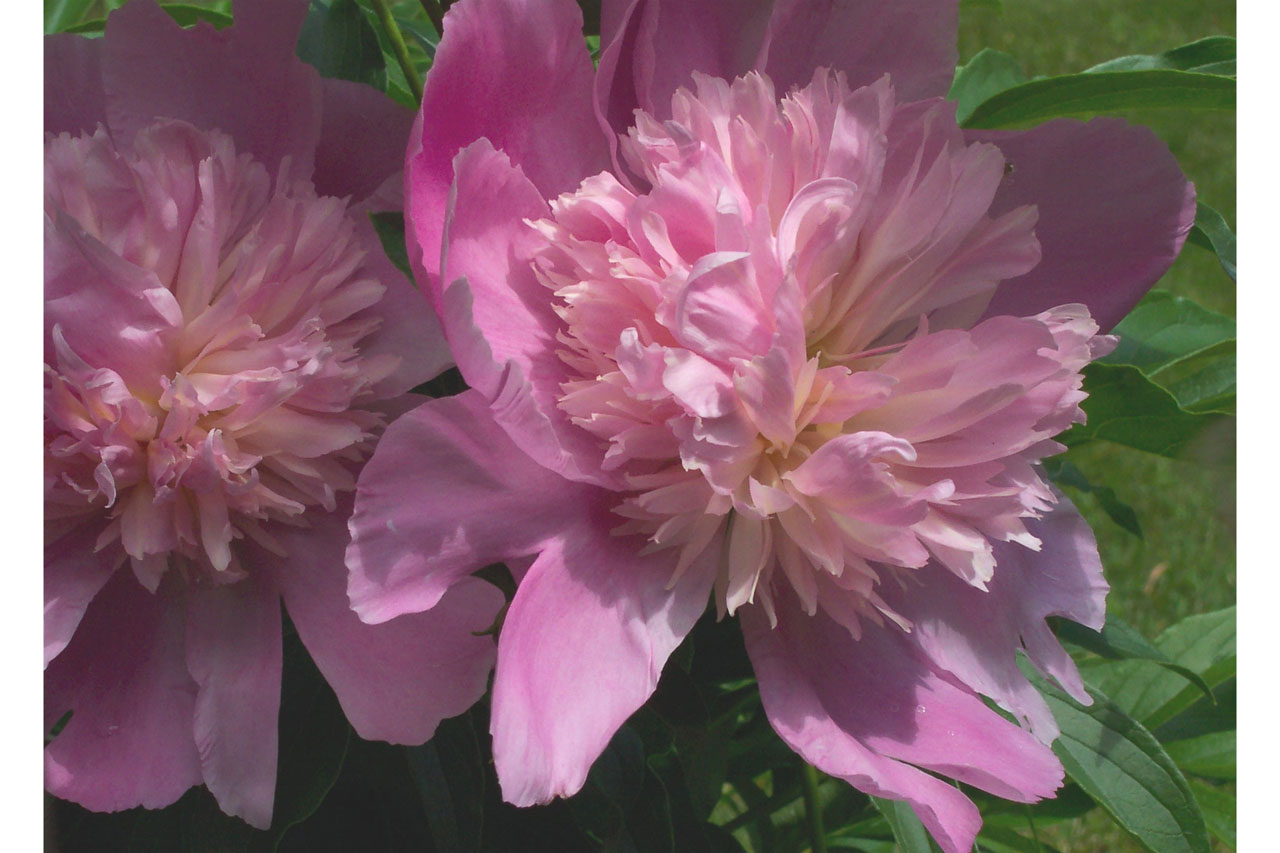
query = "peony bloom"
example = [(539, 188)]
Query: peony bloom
[(224, 338), (746, 317)]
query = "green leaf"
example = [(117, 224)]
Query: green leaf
[(1089, 94), (907, 829), (60, 15), (1212, 232), (1120, 641), (1063, 473), (1127, 408), (188, 16), (997, 839), (1191, 716), (1210, 55), (449, 773), (1123, 767), (1204, 382), (1155, 695), (390, 227), (1163, 329), (341, 43), (987, 73), (1219, 809), (1212, 755)]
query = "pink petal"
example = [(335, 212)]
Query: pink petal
[(1114, 210), (362, 139), (855, 709), (234, 655), (73, 98), (582, 647), (396, 681), (446, 493), (498, 317), (515, 72), (974, 635), (129, 740), (245, 80), (73, 575)]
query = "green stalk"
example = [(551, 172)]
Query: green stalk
[(398, 48), (435, 13), (813, 809)]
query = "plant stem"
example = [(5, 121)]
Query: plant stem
[(398, 47), (813, 809), (435, 13)]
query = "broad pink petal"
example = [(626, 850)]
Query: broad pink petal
[(582, 647), (236, 80), (124, 679), (1114, 211), (974, 634), (515, 72), (446, 493), (855, 709), (499, 318), (73, 98), (73, 575), (234, 654), (396, 681), (362, 139)]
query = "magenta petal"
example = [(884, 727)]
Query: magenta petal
[(396, 681), (236, 80), (499, 318), (362, 139), (123, 677), (73, 98), (446, 493), (234, 655), (73, 575), (914, 43), (515, 72), (974, 634), (856, 708), (1114, 210), (582, 647)]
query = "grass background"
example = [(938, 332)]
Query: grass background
[(1186, 562)]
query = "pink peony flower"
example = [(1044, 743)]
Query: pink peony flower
[(224, 338), (782, 336)]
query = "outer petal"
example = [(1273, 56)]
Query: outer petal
[(73, 98), (499, 318), (446, 493), (362, 139), (245, 80), (517, 73), (73, 575), (582, 647), (396, 681), (974, 635), (1114, 209), (856, 709), (234, 655), (129, 741)]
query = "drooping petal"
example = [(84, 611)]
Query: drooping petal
[(497, 315), (234, 654), (446, 493), (1114, 212), (866, 710), (236, 80), (73, 575), (583, 644), (397, 680), (362, 139), (515, 72), (974, 635), (123, 677), (73, 98)]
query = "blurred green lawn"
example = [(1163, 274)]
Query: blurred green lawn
[(1187, 561)]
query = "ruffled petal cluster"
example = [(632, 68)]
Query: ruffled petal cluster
[(745, 316), (224, 339)]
